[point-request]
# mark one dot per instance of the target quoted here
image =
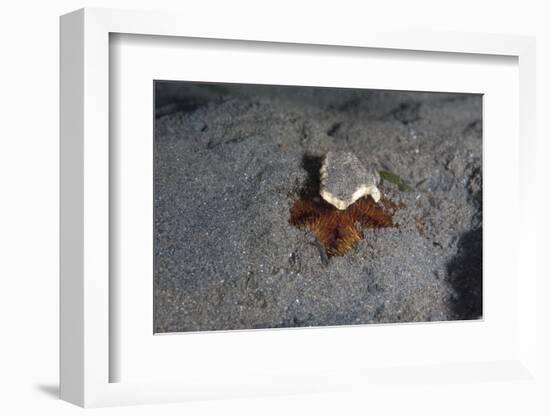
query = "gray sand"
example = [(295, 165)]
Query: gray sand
[(229, 161)]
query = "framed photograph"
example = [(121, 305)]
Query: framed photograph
[(273, 211)]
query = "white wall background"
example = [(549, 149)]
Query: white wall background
[(29, 202)]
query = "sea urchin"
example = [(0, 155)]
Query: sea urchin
[(339, 230)]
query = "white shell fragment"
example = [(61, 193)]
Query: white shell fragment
[(344, 180)]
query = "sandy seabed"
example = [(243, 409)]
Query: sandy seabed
[(229, 162)]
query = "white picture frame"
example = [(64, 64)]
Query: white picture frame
[(85, 353)]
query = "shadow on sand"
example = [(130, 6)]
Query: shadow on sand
[(465, 277)]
